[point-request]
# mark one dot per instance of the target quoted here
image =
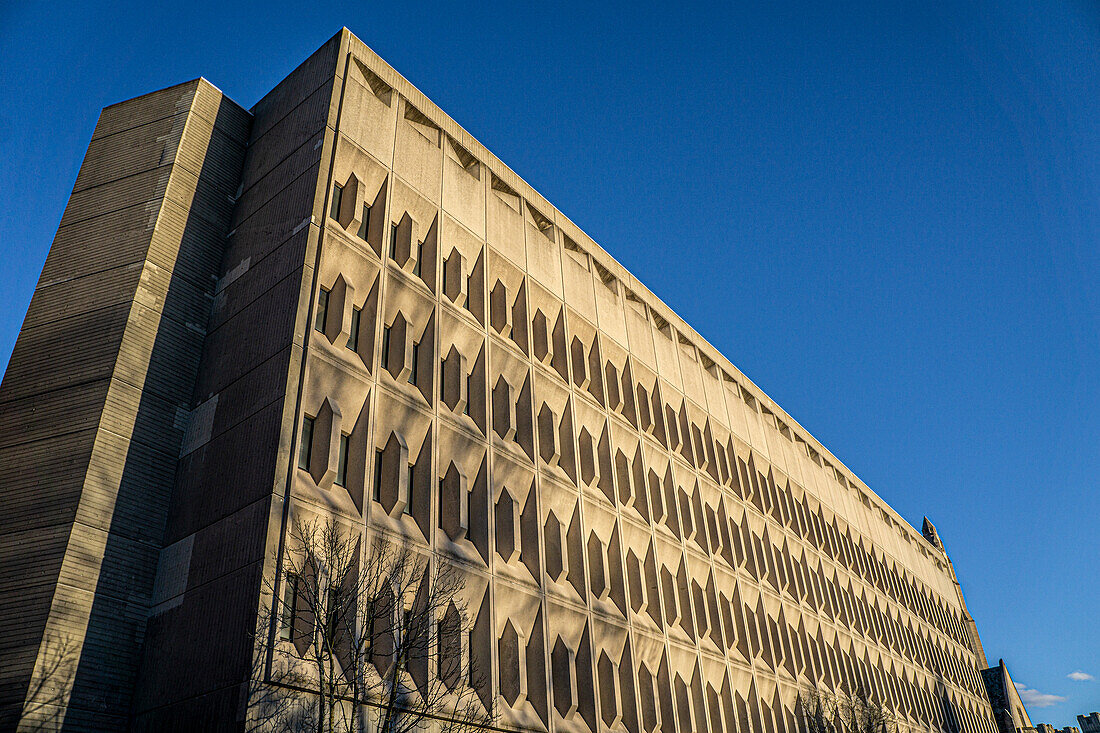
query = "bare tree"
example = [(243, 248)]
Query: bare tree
[(822, 712), (365, 640), (817, 711)]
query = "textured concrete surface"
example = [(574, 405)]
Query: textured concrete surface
[(96, 397), (650, 542)]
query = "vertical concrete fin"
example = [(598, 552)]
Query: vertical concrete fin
[(104, 369)]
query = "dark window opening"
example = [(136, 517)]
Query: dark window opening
[(322, 310), (305, 449), (378, 455), (353, 336), (413, 372), (334, 612), (364, 227), (418, 266), (408, 636), (337, 194), (342, 462), (290, 605)]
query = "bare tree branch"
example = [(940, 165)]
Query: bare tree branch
[(365, 639), (822, 712)]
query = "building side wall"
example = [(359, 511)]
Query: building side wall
[(94, 401), (199, 656), (643, 523), (761, 422), (648, 541)]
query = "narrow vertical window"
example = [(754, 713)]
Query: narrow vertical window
[(364, 227), (342, 462), (306, 446), (321, 315), (412, 485), (471, 674), (337, 194), (333, 612), (469, 394), (407, 622), (378, 455), (385, 347), (415, 362), (443, 278), (353, 337), (290, 606), (393, 242), (408, 637), (418, 266)]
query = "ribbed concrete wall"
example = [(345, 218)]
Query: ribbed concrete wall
[(95, 398), (200, 647), (651, 543)]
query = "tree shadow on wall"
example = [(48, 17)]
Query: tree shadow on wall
[(44, 707)]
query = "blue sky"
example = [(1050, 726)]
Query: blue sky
[(886, 214)]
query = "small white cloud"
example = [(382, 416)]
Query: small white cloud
[(1080, 676), (1036, 699)]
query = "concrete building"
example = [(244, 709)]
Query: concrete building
[(1004, 698), (245, 314), (1089, 723), (1048, 728)]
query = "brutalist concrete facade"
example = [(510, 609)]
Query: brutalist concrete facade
[(1008, 709), (94, 401), (1089, 723), (650, 542)]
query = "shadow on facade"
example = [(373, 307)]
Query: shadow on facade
[(105, 677)]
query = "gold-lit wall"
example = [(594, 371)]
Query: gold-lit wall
[(651, 543)]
